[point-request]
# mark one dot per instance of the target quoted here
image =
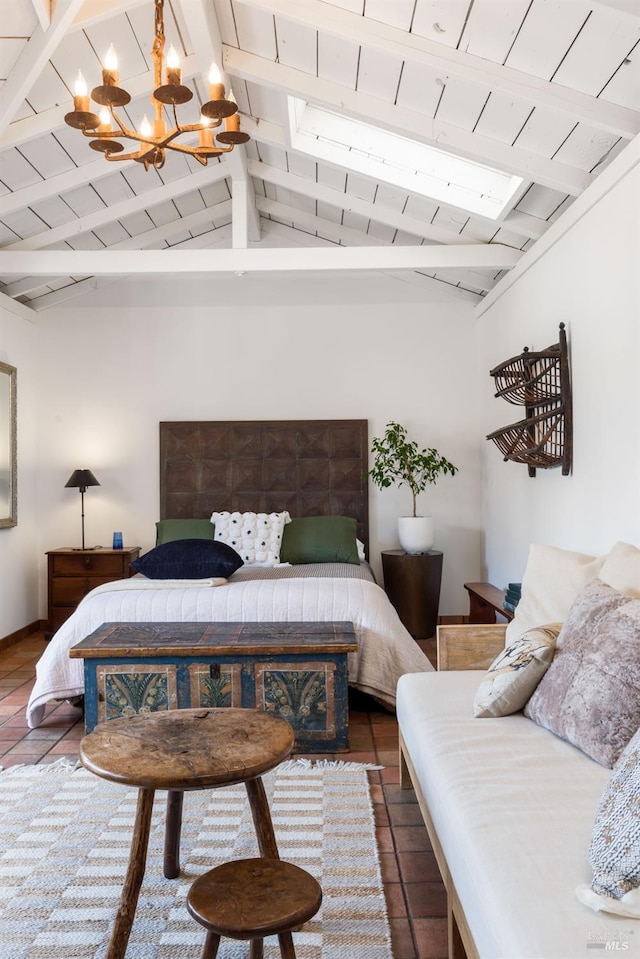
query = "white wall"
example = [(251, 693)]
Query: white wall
[(19, 575), (129, 356), (590, 281)]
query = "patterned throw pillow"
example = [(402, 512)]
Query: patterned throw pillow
[(590, 695), (614, 854), (515, 672), (257, 537)]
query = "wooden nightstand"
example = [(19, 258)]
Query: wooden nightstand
[(72, 573), (412, 583)]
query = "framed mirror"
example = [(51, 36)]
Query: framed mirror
[(8, 446)]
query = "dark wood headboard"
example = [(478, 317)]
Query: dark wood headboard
[(308, 467)]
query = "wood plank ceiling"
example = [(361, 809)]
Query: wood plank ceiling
[(546, 90)]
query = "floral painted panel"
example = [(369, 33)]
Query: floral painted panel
[(216, 685), (130, 690), (302, 694)]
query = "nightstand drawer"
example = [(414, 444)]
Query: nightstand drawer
[(72, 573), (94, 563), (69, 590)]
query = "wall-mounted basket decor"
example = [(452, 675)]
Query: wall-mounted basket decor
[(539, 382)]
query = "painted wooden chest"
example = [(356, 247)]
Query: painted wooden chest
[(294, 670)]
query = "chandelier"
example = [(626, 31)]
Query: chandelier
[(154, 138)]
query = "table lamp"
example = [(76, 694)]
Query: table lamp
[(80, 479)]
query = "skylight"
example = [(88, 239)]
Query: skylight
[(414, 166)]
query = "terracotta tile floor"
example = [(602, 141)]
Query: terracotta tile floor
[(415, 895)]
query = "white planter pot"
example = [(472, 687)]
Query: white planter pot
[(416, 533)]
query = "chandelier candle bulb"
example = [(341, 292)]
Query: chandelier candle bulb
[(206, 135), (81, 99), (174, 73), (216, 87), (105, 121), (110, 76), (233, 123)]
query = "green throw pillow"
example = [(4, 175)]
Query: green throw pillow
[(168, 530), (320, 539)]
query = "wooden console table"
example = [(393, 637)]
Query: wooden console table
[(485, 601)]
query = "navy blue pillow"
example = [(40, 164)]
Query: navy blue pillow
[(188, 559)]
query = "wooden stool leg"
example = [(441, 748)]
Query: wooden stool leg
[(262, 819), (286, 945), (133, 880), (255, 949), (172, 831), (211, 945)]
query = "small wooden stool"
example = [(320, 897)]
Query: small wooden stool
[(251, 899), (178, 750)]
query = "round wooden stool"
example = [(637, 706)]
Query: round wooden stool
[(251, 899), (179, 750)]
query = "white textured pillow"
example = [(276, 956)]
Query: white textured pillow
[(621, 569), (552, 580), (515, 672), (256, 537), (614, 853)]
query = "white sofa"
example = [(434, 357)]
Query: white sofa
[(510, 810)]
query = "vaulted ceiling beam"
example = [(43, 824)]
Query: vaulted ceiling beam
[(326, 17), (353, 204), (204, 31), (33, 58), (144, 201), (446, 136), (149, 262)]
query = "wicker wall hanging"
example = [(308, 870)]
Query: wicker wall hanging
[(539, 382)]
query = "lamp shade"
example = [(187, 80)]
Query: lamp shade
[(80, 479)]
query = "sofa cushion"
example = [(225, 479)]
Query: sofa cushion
[(515, 672), (621, 569), (552, 579), (614, 854), (590, 695)]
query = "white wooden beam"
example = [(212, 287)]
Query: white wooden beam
[(43, 12), (93, 11), (330, 18), (408, 123), (204, 31), (353, 204), (33, 58), (145, 201), (149, 262), (18, 309), (316, 224)]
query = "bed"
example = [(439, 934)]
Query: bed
[(306, 468)]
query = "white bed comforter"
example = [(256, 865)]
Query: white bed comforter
[(385, 649)]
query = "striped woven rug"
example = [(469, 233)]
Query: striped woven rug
[(65, 838)]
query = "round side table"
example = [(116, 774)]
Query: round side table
[(412, 583)]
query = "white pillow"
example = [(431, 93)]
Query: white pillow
[(552, 580), (614, 853), (256, 537), (621, 569), (515, 672)]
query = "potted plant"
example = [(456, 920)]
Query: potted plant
[(398, 460)]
